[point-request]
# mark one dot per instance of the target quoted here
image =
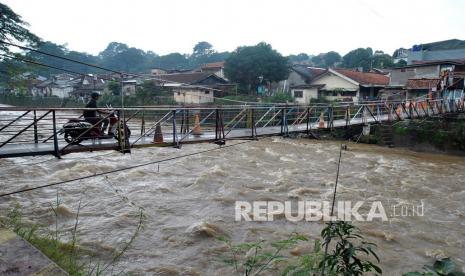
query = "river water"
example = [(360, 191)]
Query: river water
[(187, 201)]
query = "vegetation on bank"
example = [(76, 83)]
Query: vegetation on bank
[(72, 258), (348, 254), (441, 133)]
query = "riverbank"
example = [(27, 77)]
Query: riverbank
[(429, 135)]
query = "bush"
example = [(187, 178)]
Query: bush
[(279, 97)]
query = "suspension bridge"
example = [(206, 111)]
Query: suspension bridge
[(39, 131)]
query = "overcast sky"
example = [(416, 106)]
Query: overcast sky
[(290, 26)]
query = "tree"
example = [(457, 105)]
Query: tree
[(330, 58), (401, 63), (358, 58), (382, 60), (13, 28), (318, 60), (173, 61), (118, 56), (202, 48), (114, 87), (300, 58), (247, 63)]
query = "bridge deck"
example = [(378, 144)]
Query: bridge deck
[(268, 121)]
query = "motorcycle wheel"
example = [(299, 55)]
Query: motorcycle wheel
[(70, 135)]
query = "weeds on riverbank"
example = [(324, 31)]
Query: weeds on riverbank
[(443, 267), (349, 256), (67, 255)]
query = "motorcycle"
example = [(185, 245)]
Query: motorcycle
[(77, 130)]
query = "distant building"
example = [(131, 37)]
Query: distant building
[(298, 75), (192, 94), (216, 68), (158, 71), (341, 85), (189, 88), (400, 54), (453, 49), (423, 78), (129, 87)]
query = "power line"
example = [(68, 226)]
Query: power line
[(60, 57), (121, 169), (332, 210), (110, 70), (46, 65)]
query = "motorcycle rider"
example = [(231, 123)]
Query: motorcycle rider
[(92, 116)]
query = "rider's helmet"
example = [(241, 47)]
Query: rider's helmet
[(95, 95)]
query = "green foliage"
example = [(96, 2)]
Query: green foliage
[(247, 63), (280, 97), (382, 60), (228, 100), (443, 267), (331, 58), (308, 264), (400, 63), (400, 129), (358, 58), (344, 258), (256, 258), (114, 87), (300, 58), (14, 29), (67, 255)]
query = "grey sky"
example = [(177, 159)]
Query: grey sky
[(290, 26)]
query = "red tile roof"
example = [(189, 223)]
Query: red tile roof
[(214, 65), (422, 83), (364, 78)]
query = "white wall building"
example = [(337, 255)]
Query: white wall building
[(193, 94)]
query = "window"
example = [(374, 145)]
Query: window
[(207, 92), (298, 94)]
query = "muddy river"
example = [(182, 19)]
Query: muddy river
[(187, 201)]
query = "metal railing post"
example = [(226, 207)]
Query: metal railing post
[(175, 134), (56, 150), (36, 136), (253, 128), (308, 121)]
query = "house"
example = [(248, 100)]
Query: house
[(193, 78), (341, 85), (216, 68), (400, 54), (193, 94), (84, 86), (422, 78), (419, 70), (442, 50), (196, 79), (67, 85), (158, 71), (130, 87), (298, 75)]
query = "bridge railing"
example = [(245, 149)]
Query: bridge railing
[(40, 131)]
